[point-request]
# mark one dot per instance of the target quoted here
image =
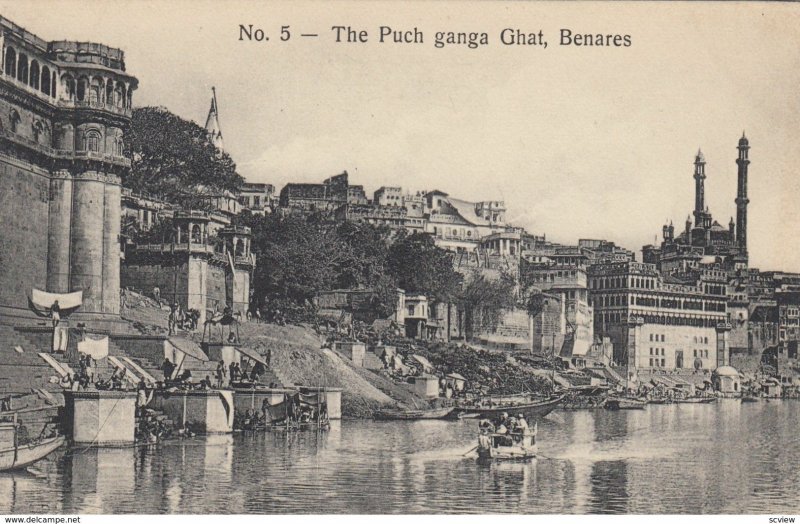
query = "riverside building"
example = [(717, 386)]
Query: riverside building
[(658, 325)]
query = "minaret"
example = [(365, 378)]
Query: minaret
[(741, 194), (699, 188), (212, 122)]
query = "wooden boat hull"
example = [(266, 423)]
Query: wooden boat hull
[(696, 400), (28, 454), (532, 410), (526, 449), (624, 403), (426, 414), (298, 426)]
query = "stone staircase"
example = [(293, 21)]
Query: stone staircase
[(22, 371), (151, 419), (372, 362)]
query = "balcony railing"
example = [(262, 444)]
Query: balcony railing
[(183, 247), (95, 104), (63, 154)]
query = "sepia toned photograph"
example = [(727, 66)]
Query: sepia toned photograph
[(399, 258)]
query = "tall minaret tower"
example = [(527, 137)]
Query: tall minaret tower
[(699, 188), (212, 122), (741, 194)]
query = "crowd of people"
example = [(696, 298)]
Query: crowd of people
[(292, 413), (505, 424)]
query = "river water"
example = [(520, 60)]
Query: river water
[(725, 457)]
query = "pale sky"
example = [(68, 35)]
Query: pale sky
[(580, 142)]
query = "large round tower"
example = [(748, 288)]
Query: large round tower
[(94, 95), (65, 109)]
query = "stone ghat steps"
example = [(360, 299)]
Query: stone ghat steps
[(21, 372)]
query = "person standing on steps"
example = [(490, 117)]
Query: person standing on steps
[(55, 317), (221, 372)]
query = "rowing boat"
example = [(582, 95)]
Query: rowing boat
[(515, 445), (696, 400), (625, 403), (15, 451), (412, 414), (531, 410)]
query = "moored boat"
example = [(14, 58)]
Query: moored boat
[(16, 451), (413, 414), (531, 410), (696, 400), (616, 403)]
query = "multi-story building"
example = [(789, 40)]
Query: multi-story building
[(200, 265), (654, 324), (391, 216), (563, 277), (458, 225), (65, 110), (604, 251), (257, 198), (325, 197), (388, 196)]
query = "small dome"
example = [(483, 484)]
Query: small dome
[(743, 141), (726, 371)]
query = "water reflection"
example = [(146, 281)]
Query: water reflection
[(717, 458)]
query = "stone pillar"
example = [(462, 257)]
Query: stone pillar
[(58, 242), (111, 247), (101, 418), (723, 357), (633, 325), (88, 224)]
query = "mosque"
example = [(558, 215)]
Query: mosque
[(704, 241)]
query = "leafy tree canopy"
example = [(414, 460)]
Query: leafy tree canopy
[(173, 159), (419, 266)]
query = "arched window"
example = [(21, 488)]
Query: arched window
[(11, 62), (119, 94), (196, 237), (83, 85), (91, 141), (109, 92), (22, 68), (14, 119), (120, 147), (239, 248), (68, 83), (53, 84), (45, 83), (34, 76), (38, 131), (95, 92)]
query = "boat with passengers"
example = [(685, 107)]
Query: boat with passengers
[(505, 441)]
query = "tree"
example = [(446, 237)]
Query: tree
[(483, 300), (419, 266), (174, 159), (297, 257)]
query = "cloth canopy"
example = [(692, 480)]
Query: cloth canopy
[(94, 346), (426, 365), (188, 347), (40, 302), (251, 354)]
